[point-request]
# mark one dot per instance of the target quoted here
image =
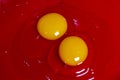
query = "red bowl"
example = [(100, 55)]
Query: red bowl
[(21, 47)]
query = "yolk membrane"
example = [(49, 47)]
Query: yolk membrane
[(52, 26), (73, 50)]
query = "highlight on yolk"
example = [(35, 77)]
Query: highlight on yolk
[(52, 26), (73, 50)]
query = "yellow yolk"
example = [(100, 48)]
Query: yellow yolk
[(73, 50), (52, 26)]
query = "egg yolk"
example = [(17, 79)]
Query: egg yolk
[(73, 50), (52, 26)]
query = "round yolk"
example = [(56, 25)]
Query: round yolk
[(52, 26), (73, 50)]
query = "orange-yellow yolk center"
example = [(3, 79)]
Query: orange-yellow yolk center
[(73, 50), (52, 26)]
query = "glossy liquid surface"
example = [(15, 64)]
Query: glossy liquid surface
[(25, 55)]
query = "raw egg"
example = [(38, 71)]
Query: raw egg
[(52, 26), (73, 50), (38, 58)]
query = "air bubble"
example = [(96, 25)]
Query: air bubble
[(47, 77), (26, 63), (75, 21)]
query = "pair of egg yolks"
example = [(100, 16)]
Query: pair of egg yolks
[(72, 50)]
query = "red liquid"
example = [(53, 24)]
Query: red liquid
[(25, 55)]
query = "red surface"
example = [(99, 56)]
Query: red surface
[(24, 55)]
